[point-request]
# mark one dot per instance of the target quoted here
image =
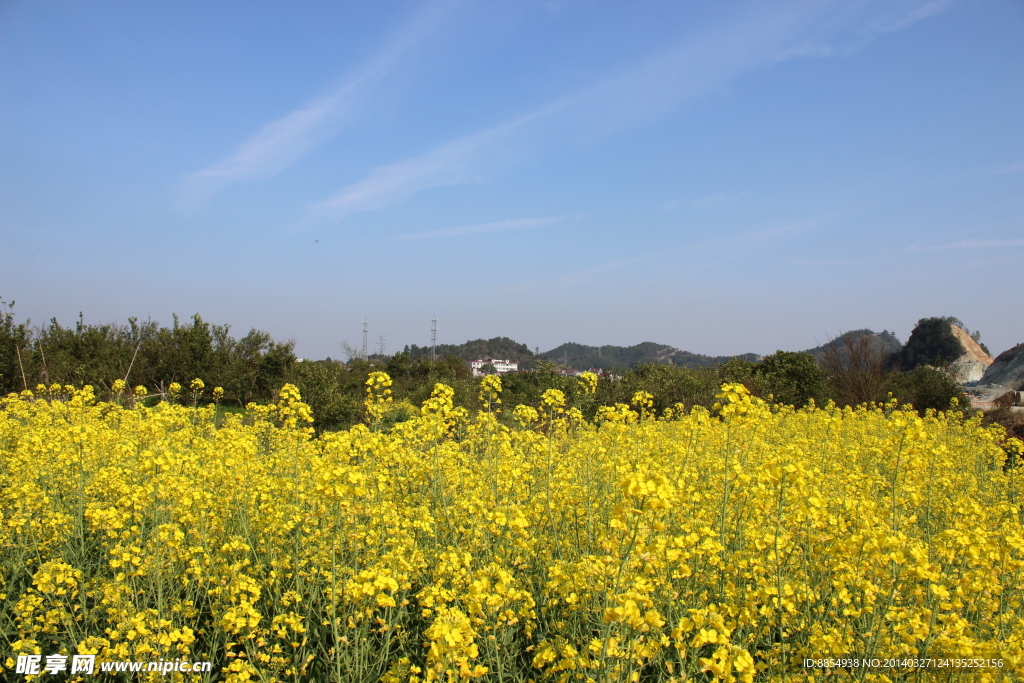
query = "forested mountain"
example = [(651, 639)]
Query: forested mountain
[(884, 342), (581, 357), (573, 355), (498, 347)]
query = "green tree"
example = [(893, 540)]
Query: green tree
[(14, 337), (932, 342), (929, 388), (857, 365), (737, 370), (335, 402), (250, 369), (792, 378)]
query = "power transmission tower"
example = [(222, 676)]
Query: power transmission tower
[(433, 339), (382, 339), (366, 331)]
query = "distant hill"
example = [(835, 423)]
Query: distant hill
[(499, 347), (575, 356), (885, 341), (581, 357)]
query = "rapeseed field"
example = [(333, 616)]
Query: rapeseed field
[(751, 543)]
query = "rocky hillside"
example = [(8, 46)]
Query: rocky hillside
[(1007, 370), (971, 366)]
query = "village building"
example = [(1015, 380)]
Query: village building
[(501, 367)]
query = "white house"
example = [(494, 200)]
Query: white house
[(500, 366)]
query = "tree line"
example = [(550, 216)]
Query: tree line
[(253, 368), (250, 368)]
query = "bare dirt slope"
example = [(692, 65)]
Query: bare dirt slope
[(971, 366)]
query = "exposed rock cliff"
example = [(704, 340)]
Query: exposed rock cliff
[(971, 366)]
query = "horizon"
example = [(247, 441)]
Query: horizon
[(535, 350), (731, 179)]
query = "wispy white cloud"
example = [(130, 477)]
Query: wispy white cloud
[(588, 274), (705, 202), (766, 34), (281, 143), (719, 199), (902, 14), (968, 245), (848, 27), (1012, 168), (622, 100), (458, 162), (480, 228), (832, 262)]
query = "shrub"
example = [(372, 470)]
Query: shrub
[(929, 388), (792, 379)]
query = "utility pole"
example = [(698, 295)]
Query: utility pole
[(366, 331), (433, 339)]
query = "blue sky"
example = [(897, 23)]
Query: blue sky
[(721, 177)]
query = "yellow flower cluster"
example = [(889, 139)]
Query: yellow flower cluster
[(587, 382), (378, 395), (727, 547), (553, 399), (490, 390)]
